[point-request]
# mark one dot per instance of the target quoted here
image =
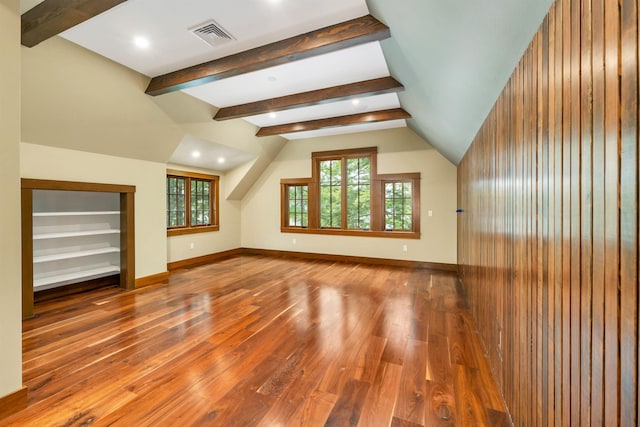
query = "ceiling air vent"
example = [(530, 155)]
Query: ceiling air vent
[(212, 33)]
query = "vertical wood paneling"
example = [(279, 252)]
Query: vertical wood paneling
[(548, 240), (629, 211), (587, 215)]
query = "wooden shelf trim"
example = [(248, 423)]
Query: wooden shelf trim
[(336, 37)]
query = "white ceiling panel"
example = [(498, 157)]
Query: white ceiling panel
[(208, 155), (350, 65), (166, 24), (342, 108)]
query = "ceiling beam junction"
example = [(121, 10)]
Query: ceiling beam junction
[(329, 39), (51, 17), (315, 97), (353, 119)]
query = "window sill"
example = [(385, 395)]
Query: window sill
[(192, 230), (358, 233)]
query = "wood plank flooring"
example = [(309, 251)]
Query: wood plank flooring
[(262, 341)]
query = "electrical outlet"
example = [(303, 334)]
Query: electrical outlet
[(192, 245), (430, 213), (404, 248), (294, 241)]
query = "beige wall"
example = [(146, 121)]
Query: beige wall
[(228, 237), (42, 162), (10, 288), (399, 150)]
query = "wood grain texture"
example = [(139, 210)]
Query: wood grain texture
[(202, 260), (26, 235), (352, 119), (255, 340), (347, 258), (339, 36), (13, 402), (316, 97), (548, 241), (127, 227), (51, 17), (154, 279)]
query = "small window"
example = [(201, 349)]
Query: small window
[(398, 202), (298, 205), (176, 197), (192, 202)]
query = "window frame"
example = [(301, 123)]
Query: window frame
[(213, 203), (377, 197)]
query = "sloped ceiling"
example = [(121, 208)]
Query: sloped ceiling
[(88, 103), (454, 58)]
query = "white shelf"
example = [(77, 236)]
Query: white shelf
[(75, 254), (62, 279), (41, 214), (76, 233)]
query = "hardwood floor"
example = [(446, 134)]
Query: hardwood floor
[(262, 341)]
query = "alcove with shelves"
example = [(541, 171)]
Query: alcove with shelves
[(75, 236)]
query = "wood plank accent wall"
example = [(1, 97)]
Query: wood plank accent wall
[(548, 237)]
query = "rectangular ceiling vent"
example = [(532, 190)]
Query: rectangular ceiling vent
[(212, 33)]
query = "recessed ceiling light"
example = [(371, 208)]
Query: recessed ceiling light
[(195, 154), (273, 115), (355, 101), (221, 160), (141, 42)]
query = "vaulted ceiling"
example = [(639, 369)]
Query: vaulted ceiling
[(306, 68)]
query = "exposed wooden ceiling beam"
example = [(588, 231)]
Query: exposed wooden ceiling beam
[(353, 119), (52, 17), (314, 97), (346, 34)]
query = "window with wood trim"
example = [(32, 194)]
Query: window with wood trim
[(398, 205), (346, 196), (192, 202), (297, 209)]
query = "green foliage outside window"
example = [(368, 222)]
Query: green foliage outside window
[(200, 202), (398, 206), (176, 202), (359, 193), (298, 206), (331, 194)]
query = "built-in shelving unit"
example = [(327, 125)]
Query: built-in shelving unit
[(71, 246), (75, 235)]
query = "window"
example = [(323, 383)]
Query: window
[(192, 202), (398, 205), (345, 195), (298, 206)]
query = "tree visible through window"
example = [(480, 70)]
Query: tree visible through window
[(345, 195), (398, 198), (331, 194), (192, 202), (176, 196), (200, 202), (299, 205), (359, 193)]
